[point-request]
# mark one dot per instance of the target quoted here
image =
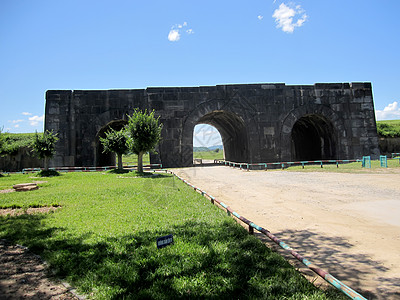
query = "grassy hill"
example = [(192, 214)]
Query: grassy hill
[(14, 141), (388, 128)]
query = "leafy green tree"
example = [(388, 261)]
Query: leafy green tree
[(44, 146), (145, 133), (117, 142)]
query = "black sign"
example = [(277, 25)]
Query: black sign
[(164, 241)]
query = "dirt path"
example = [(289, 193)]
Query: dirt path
[(23, 276), (348, 224)]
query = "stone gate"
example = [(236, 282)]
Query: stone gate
[(258, 122)]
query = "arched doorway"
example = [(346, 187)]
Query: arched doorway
[(233, 133), (106, 159), (207, 143), (313, 138)]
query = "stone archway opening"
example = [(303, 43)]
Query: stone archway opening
[(106, 159), (233, 134), (313, 138), (207, 143)]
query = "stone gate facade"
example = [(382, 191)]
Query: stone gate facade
[(257, 122)]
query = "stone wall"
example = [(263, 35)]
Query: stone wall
[(389, 145), (23, 159), (257, 122)]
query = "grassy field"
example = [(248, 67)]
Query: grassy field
[(209, 155), (131, 159), (103, 241), (347, 168)]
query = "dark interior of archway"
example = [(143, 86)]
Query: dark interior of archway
[(107, 159), (233, 134), (313, 138)]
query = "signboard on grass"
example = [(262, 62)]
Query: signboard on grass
[(165, 241)]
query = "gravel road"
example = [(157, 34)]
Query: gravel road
[(348, 224)]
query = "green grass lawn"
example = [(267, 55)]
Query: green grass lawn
[(103, 241), (209, 155), (347, 168)]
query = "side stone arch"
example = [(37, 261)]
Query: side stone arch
[(319, 111)]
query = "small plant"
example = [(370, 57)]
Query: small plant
[(44, 147), (145, 133), (47, 173), (117, 142)]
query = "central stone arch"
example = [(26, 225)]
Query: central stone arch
[(230, 124), (233, 133)]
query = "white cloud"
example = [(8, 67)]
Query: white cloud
[(260, 17), (27, 114), (174, 35), (285, 17), (175, 32), (391, 111), (16, 126), (35, 120)]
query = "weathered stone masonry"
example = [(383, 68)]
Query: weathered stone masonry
[(257, 122)]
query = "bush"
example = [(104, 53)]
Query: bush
[(48, 173)]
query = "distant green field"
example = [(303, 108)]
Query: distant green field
[(209, 155), (131, 159)]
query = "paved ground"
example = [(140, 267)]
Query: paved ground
[(348, 224)]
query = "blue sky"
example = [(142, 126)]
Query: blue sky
[(137, 44)]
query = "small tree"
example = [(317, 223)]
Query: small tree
[(145, 133), (44, 146), (116, 141)]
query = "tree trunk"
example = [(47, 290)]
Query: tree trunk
[(140, 162), (120, 167), (46, 163)]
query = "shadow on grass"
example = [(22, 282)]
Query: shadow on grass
[(213, 262), (331, 254), (118, 171)]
